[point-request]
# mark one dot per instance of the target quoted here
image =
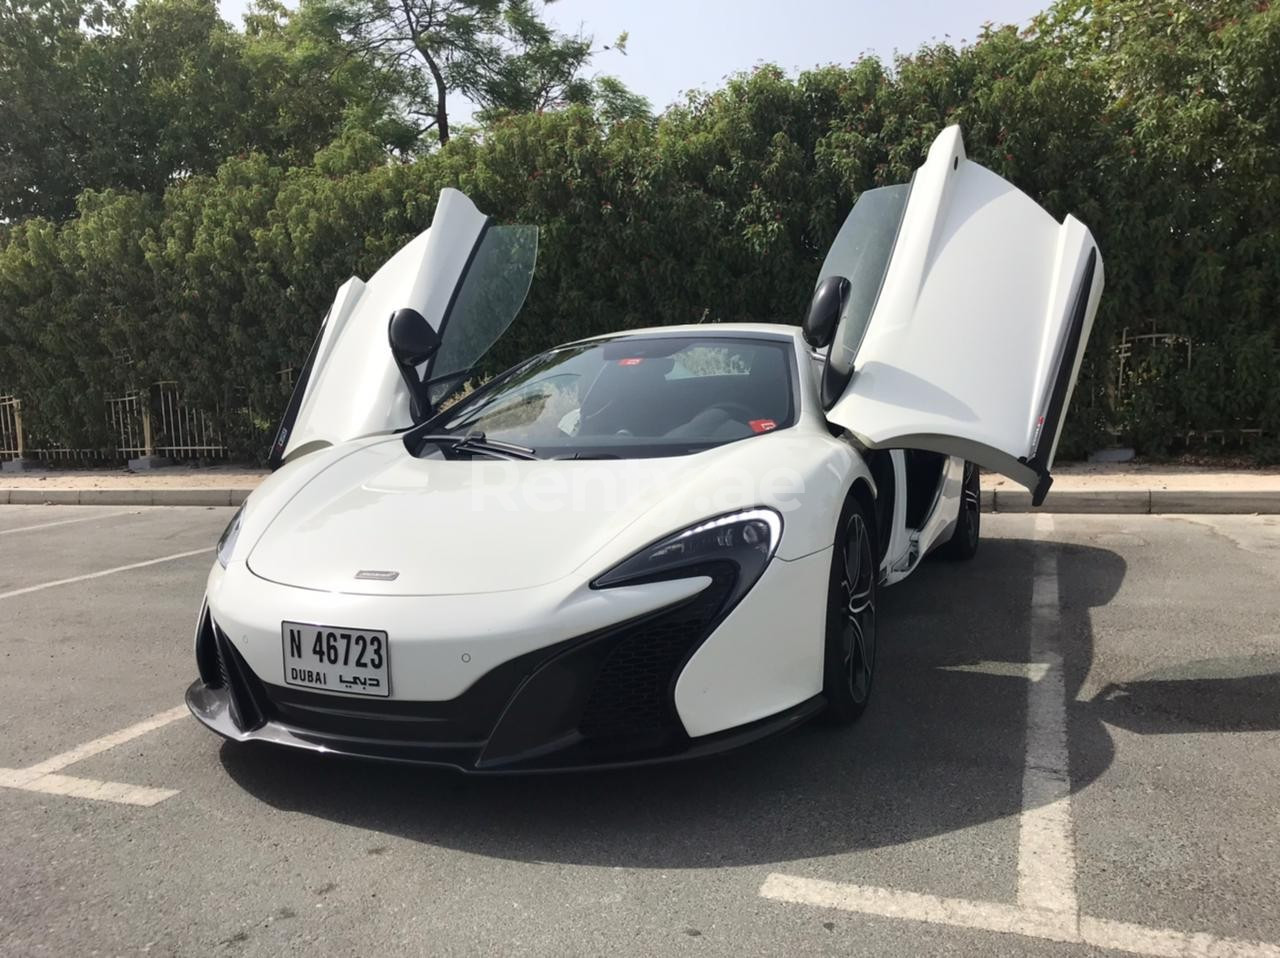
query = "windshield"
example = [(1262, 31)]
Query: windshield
[(630, 397)]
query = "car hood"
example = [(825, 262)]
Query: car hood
[(456, 527)]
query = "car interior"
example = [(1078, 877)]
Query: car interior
[(654, 397)]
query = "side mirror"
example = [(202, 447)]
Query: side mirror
[(413, 342), (825, 310)]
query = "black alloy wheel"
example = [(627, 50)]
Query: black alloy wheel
[(851, 616), (963, 544)]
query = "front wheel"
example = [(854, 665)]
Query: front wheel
[(851, 616)]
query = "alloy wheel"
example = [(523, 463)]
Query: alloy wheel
[(971, 500), (857, 589)]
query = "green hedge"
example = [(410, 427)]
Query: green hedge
[(1157, 124)]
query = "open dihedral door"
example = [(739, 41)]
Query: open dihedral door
[(968, 312), (466, 276)]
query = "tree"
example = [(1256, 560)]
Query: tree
[(1156, 122), (47, 112), (97, 94), (501, 55), (100, 94), (306, 87), (1194, 110)]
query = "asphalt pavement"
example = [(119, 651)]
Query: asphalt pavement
[(1074, 749)]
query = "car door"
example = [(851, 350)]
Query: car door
[(466, 275), (967, 315)]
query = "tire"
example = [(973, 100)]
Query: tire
[(852, 592), (963, 544)]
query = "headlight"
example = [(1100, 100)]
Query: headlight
[(746, 539), (227, 543)]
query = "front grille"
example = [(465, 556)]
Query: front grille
[(633, 696), (386, 720), (465, 720)]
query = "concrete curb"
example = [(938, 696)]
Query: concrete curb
[(123, 497), (1141, 502), (1099, 502)]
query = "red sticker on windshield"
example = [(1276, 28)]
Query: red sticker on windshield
[(631, 362), (762, 425)]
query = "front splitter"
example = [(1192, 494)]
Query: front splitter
[(212, 707)]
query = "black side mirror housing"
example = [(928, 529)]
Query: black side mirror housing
[(825, 310), (413, 342)]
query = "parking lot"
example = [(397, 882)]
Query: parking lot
[(1074, 749)]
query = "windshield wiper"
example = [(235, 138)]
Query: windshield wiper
[(476, 441)]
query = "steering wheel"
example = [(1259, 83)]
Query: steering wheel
[(736, 410)]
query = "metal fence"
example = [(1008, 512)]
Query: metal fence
[(11, 446), (131, 425), (1134, 347), (155, 421), (183, 431), (1128, 341), (45, 450)]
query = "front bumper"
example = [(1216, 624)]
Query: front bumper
[(600, 700), (212, 707)]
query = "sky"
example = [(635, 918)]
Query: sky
[(680, 45)]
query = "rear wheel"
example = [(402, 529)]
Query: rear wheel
[(964, 540), (851, 616)]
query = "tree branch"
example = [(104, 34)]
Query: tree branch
[(420, 44)]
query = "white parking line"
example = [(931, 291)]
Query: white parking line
[(1046, 844), (1122, 936), (81, 752), (43, 777), (1009, 919), (1034, 671), (206, 550), (913, 906), (1047, 906), (91, 788), (66, 522)]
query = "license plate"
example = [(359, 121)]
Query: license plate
[(333, 659)]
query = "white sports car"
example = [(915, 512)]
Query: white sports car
[(644, 546)]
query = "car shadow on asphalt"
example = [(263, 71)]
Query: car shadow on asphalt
[(940, 749), (1196, 697)]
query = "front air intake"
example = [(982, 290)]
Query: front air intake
[(222, 667), (633, 695), (207, 662)]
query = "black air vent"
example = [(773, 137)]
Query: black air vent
[(634, 693), (245, 693)]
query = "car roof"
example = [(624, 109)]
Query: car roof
[(783, 331)]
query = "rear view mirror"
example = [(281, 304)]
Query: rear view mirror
[(825, 309), (413, 342)]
